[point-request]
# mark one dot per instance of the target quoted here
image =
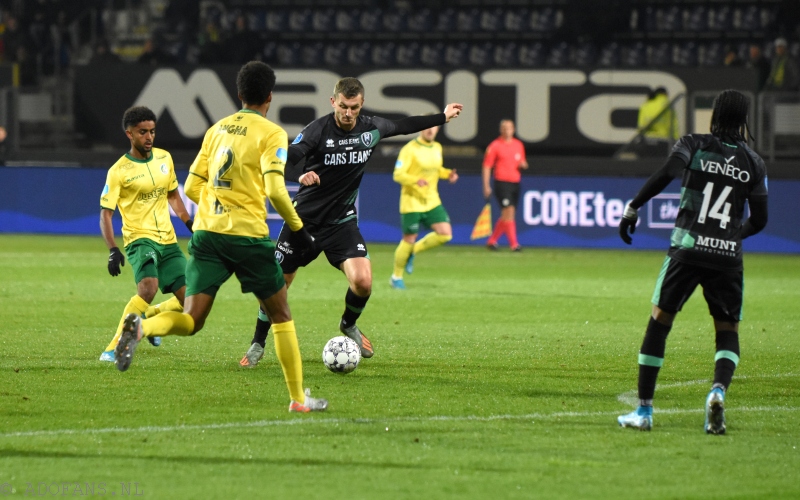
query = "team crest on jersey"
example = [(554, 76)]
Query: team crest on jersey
[(329, 143), (281, 154), (278, 256), (105, 190), (164, 169), (366, 139), (298, 138)]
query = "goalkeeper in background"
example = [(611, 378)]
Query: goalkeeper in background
[(140, 184), (240, 165), (418, 170)]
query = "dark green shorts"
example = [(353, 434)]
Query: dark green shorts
[(153, 260), (412, 220), (214, 257)]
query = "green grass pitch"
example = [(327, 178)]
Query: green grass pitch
[(496, 375)]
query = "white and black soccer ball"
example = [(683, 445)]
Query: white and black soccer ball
[(341, 354)]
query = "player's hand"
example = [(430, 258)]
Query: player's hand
[(115, 259), (487, 193), (628, 223), (189, 223), (304, 241), (452, 110), (453, 176), (309, 178), (422, 182)]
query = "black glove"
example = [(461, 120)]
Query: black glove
[(189, 223), (115, 259), (303, 240), (628, 223)]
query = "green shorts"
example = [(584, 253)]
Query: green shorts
[(412, 220), (214, 257), (154, 260)]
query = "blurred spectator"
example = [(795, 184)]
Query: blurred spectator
[(28, 74), (657, 118), (153, 54), (242, 45), (783, 74), (103, 54), (13, 38), (760, 64), (731, 58), (210, 43)]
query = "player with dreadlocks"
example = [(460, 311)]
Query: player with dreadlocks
[(719, 174)]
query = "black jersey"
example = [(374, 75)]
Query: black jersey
[(718, 179), (339, 157)]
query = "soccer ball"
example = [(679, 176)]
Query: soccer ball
[(341, 354)]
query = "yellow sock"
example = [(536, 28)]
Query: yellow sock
[(168, 323), (136, 305), (401, 256), (173, 304), (431, 240), (288, 353)]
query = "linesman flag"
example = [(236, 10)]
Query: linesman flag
[(483, 226)]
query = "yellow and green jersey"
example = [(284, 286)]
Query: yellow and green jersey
[(419, 160), (139, 188), (234, 173)]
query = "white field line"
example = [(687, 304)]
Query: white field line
[(631, 397), (381, 421)]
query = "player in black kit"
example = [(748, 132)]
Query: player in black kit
[(719, 174), (336, 148)]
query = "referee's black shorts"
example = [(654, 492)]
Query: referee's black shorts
[(507, 193)]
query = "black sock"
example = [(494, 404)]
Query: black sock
[(727, 357), (354, 306), (651, 357), (262, 329)]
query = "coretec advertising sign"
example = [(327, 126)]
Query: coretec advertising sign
[(572, 111)]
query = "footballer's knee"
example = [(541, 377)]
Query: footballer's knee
[(147, 289)]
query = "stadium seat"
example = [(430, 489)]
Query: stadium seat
[(257, 20), (558, 55), (584, 54), (490, 20), (432, 54), (455, 54), (345, 21), (546, 20), (467, 20), (609, 55), (695, 19), (647, 21), (323, 20), (335, 54), (633, 55), (276, 20), (532, 55), (370, 20), (659, 55), (480, 54), (711, 54), (270, 52), (358, 53), (382, 54), (300, 20), (311, 55), (684, 54), (747, 18), (445, 21), (668, 18), (288, 53), (505, 55), (515, 20), (720, 18), (394, 21), (420, 20), (407, 54)]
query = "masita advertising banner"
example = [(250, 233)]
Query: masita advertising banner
[(573, 111), (577, 212)]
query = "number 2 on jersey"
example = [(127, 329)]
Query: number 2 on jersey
[(715, 213), (219, 180)]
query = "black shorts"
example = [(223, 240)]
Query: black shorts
[(507, 193), (723, 290), (339, 242)]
